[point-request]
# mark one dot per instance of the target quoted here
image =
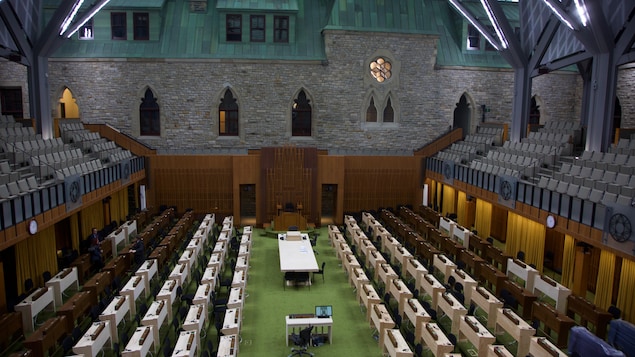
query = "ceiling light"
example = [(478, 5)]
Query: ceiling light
[(582, 12), (87, 17), (71, 15), (476, 24), (561, 14), (497, 28)]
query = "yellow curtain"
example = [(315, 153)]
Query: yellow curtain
[(625, 296), (604, 286), (92, 216), (461, 209), (448, 200), (483, 218), (119, 206), (568, 260), (34, 256), (74, 222), (525, 235)]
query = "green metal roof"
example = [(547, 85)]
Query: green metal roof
[(180, 33), (406, 16), (262, 5)]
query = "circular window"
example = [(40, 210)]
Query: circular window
[(380, 69)]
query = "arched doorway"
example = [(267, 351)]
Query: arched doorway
[(617, 118), (534, 112), (67, 106), (462, 115)]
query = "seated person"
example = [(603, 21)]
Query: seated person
[(138, 250)]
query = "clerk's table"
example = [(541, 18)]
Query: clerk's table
[(293, 322)]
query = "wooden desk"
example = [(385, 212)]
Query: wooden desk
[(522, 270), (589, 313), (359, 278), (472, 261), (366, 247), (522, 295), (415, 269), (168, 293), (492, 278), (349, 263), (425, 250), (472, 330), (46, 336), (488, 302), (94, 339), (160, 254), (118, 266), (447, 303), (188, 257), (395, 344), (552, 289), (496, 257), (98, 283), (498, 351), (375, 260), (518, 328), (381, 320), (467, 281), (33, 304), (553, 320), (77, 306), (433, 337), (12, 328), (478, 245), (402, 255)]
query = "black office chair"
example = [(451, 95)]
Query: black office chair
[(302, 340), (292, 228), (321, 271), (67, 344), (615, 311), (46, 276), (520, 255), (28, 285)]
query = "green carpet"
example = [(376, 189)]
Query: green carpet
[(269, 302)]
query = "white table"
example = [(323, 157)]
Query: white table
[(195, 320), (116, 238), (140, 342), (516, 268), (488, 302), (168, 293), (542, 347), (415, 312), (130, 227), (476, 333), (242, 263), (381, 320), (186, 345), (149, 269), (416, 270), (400, 291), (395, 344), (244, 250), (386, 273), (203, 294), (195, 245), (231, 324), (460, 276), (518, 328), (432, 287), (156, 316), (296, 255), (368, 296), (62, 281), (188, 257), (444, 265), (114, 314), (133, 289), (94, 339), (239, 279), (33, 305), (210, 276), (435, 339), (179, 273), (554, 290), (447, 303), (293, 323), (236, 298), (215, 260), (228, 346)]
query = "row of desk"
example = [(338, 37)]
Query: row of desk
[(487, 268), (467, 327)]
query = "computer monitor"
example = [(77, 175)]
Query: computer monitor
[(324, 311)]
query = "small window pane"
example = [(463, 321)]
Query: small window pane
[(301, 116), (281, 29), (389, 113), (257, 28), (118, 25), (234, 28), (228, 115), (141, 26), (473, 38), (371, 112), (149, 115), (86, 32)]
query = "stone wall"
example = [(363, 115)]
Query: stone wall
[(189, 92), (15, 75)]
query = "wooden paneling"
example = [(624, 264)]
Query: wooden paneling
[(499, 223), (245, 172)]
